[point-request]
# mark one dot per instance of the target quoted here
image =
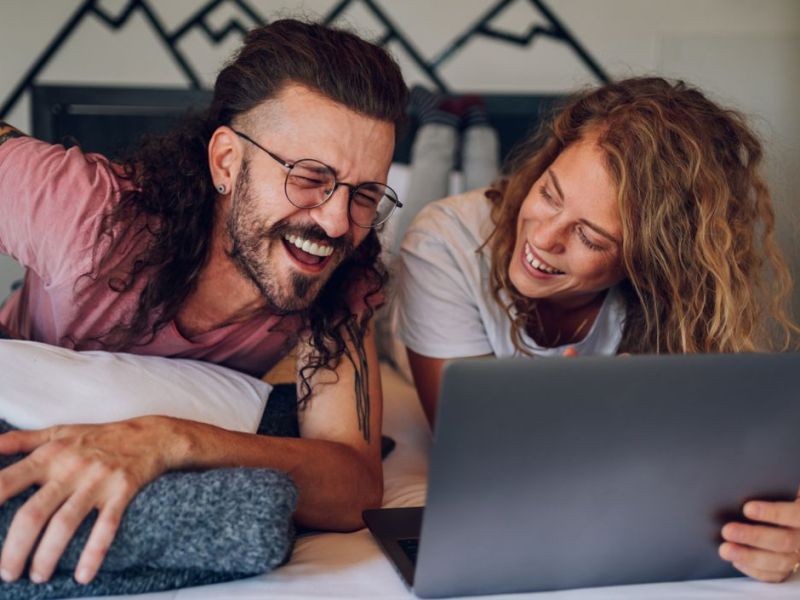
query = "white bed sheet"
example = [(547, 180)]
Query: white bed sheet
[(343, 566)]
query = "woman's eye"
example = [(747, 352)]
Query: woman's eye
[(587, 242), (547, 196)]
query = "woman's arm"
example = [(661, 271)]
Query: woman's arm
[(427, 373)]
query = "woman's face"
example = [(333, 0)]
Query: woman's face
[(569, 234)]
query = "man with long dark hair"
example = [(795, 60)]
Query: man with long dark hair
[(246, 231)]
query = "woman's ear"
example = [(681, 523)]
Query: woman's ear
[(224, 158)]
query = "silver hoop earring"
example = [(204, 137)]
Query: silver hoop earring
[(221, 188)]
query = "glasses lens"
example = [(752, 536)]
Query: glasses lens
[(372, 204), (309, 183)]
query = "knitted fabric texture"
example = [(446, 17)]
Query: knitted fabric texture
[(183, 529)]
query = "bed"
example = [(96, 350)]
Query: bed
[(342, 566), (323, 565)]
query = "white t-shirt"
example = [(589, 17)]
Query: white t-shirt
[(444, 304)]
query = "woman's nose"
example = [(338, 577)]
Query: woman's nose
[(549, 236)]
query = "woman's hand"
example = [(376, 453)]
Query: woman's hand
[(769, 552), (79, 468)]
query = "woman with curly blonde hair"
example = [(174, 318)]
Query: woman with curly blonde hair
[(637, 221), (695, 219)]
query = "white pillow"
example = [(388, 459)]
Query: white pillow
[(43, 385)]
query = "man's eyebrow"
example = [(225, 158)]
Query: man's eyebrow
[(589, 224), (321, 168)]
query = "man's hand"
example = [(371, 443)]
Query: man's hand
[(769, 552), (79, 468)]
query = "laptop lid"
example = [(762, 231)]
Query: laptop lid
[(563, 473)]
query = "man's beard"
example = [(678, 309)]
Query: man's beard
[(249, 242)]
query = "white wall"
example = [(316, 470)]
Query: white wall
[(744, 52)]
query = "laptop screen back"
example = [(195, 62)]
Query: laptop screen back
[(553, 473)]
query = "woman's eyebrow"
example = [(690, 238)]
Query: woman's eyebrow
[(555, 183), (599, 230)]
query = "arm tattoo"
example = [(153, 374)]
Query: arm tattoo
[(7, 132), (361, 376)]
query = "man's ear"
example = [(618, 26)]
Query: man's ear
[(224, 158)]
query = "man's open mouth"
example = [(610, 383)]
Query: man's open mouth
[(307, 252)]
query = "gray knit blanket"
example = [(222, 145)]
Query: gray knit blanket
[(183, 529)]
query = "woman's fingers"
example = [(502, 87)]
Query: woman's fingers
[(764, 537), (761, 575), (786, 514), (777, 563)]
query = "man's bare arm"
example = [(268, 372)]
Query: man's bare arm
[(84, 467), (7, 132)]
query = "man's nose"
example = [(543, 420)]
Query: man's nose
[(333, 215)]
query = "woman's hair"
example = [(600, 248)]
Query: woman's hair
[(172, 199), (703, 271)]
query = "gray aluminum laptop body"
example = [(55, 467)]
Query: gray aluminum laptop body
[(563, 473)]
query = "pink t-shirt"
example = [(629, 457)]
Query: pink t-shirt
[(52, 201)]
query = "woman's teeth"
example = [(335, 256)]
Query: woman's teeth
[(309, 246), (540, 266)]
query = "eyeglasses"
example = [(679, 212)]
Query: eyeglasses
[(310, 183)]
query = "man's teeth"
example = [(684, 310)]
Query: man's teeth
[(309, 246), (538, 265)]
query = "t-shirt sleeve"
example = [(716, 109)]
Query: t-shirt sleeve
[(437, 313), (51, 201)]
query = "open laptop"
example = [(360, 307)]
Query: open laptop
[(562, 473)]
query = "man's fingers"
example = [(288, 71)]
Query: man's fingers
[(25, 527), (98, 466), (101, 538), (59, 533), (18, 478), (786, 514), (23, 442)]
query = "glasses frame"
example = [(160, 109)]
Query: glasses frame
[(351, 189)]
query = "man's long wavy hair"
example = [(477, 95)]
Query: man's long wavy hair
[(172, 199), (703, 270)]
